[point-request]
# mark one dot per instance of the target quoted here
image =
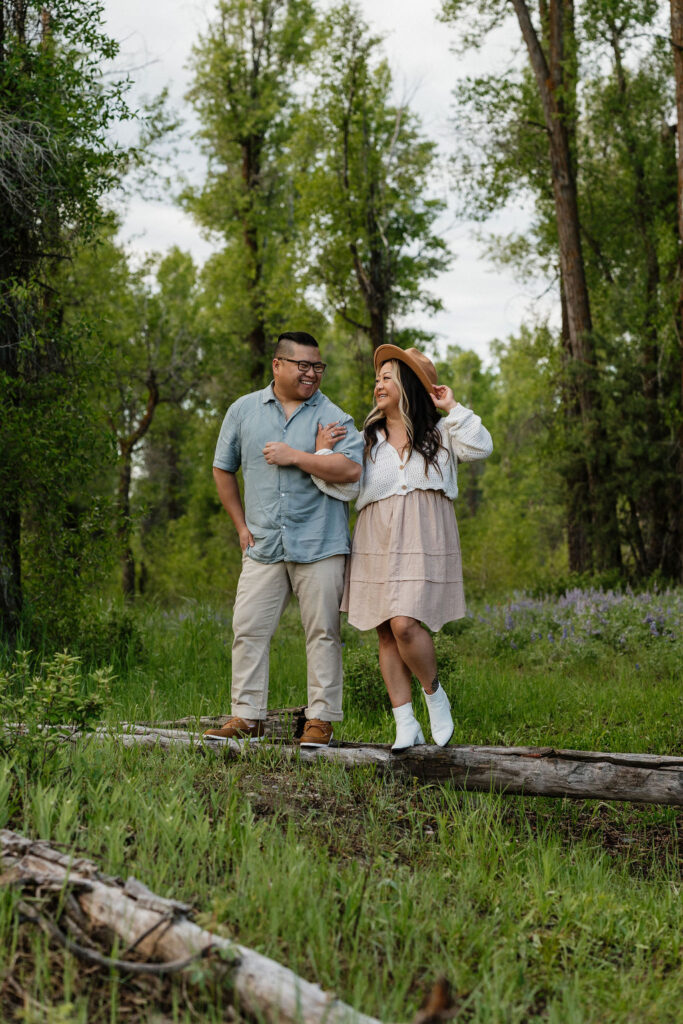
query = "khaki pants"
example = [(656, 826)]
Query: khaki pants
[(262, 595)]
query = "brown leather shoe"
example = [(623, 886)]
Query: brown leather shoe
[(237, 729), (316, 733)]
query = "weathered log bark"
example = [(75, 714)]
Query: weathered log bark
[(532, 771), (159, 929)]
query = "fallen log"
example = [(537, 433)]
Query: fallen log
[(531, 771), (159, 929)]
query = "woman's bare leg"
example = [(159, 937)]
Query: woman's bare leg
[(395, 672), (415, 649)]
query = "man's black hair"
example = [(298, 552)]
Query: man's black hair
[(298, 338)]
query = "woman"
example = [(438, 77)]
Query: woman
[(405, 566)]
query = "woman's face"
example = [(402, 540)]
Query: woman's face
[(386, 390)]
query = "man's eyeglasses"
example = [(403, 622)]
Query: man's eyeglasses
[(304, 366)]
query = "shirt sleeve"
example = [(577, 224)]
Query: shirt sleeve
[(342, 492), (468, 438), (229, 447), (352, 445)]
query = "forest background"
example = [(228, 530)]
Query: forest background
[(115, 373)]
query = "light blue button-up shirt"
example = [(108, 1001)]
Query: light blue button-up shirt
[(290, 518)]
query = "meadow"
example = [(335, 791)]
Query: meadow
[(534, 909)]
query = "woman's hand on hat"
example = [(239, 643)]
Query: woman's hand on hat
[(442, 397), (330, 435)]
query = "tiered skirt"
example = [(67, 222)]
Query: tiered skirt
[(405, 560)]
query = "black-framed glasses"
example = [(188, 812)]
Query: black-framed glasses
[(305, 366)]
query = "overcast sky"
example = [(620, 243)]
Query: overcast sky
[(156, 38)]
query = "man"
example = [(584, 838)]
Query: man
[(294, 538)]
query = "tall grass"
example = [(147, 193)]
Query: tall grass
[(535, 909)]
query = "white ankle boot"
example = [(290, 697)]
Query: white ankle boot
[(408, 731), (440, 719)]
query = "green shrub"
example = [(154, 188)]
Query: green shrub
[(364, 688), (34, 701), (109, 636)]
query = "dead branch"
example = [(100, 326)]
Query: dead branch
[(264, 988)]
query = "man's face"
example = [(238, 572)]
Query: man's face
[(291, 383)]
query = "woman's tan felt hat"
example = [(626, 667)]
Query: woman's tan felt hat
[(419, 363)]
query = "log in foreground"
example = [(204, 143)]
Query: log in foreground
[(159, 929), (532, 771)]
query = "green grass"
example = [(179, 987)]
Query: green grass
[(534, 909)]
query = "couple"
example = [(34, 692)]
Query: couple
[(303, 460)]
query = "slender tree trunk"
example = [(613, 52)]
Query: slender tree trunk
[(577, 501), (127, 559), (550, 80), (127, 446), (11, 595), (677, 42), (251, 178)]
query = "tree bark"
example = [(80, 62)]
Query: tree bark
[(550, 80), (11, 595), (677, 44), (577, 500), (159, 929), (127, 446), (251, 178)]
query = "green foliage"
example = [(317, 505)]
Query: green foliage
[(110, 636), (57, 159), (245, 67), (364, 183), (33, 701), (364, 688), (528, 901), (616, 95)]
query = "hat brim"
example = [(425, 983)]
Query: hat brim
[(384, 352)]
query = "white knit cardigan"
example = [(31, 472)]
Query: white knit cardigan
[(464, 439)]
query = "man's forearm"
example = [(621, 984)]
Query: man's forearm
[(335, 468), (229, 494)]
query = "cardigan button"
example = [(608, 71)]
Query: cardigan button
[(404, 487)]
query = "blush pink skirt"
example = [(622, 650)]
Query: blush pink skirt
[(405, 560)]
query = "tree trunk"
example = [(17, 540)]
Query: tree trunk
[(549, 74), (11, 595), (251, 179), (127, 446), (127, 559), (577, 501), (10, 566), (677, 43)]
